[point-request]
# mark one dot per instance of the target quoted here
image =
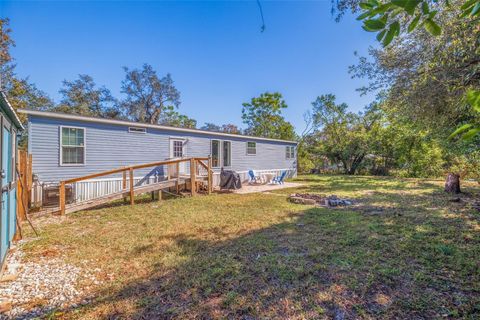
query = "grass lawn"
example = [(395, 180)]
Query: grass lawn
[(404, 251)]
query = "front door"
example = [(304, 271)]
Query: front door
[(177, 151)]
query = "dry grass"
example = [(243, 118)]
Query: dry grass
[(404, 251)]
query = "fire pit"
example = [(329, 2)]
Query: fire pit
[(318, 200)]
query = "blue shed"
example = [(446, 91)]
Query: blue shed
[(11, 126)]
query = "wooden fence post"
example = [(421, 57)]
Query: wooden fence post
[(21, 186), (132, 194), (24, 183), (192, 177), (29, 181), (177, 185), (124, 183), (62, 197), (209, 174)]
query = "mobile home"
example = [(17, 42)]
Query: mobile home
[(66, 146)]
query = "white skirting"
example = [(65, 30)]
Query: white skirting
[(91, 189)]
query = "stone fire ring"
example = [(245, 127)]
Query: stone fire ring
[(318, 200)]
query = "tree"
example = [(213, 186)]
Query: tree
[(83, 97), (263, 117), (231, 128), (425, 78), (226, 128), (208, 126), (6, 42), (171, 117), (147, 95), (341, 136)]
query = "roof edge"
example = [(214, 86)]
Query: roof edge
[(12, 112), (59, 115)]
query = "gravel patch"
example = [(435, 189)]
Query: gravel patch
[(43, 285)]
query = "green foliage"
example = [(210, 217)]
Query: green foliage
[(467, 165), (263, 116), (83, 97), (6, 42), (470, 130), (420, 157), (226, 128), (172, 117), (304, 157), (375, 142), (147, 95), (390, 17), (211, 127), (342, 137)]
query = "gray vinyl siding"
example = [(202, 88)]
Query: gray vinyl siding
[(110, 146)]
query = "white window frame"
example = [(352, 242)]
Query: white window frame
[(220, 159), (183, 164), (221, 164), (251, 154), (84, 147), (289, 150), (230, 155), (137, 130)]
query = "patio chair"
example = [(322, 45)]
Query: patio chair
[(253, 177), (279, 179)]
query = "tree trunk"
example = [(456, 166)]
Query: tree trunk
[(355, 164), (452, 183)]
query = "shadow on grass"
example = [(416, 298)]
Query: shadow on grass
[(320, 264), (408, 260)]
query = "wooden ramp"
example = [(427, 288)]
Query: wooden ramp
[(173, 179), (123, 194)]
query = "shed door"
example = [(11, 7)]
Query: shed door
[(177, 151), (6, 175)]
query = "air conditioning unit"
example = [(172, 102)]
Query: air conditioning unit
[(51, 195)]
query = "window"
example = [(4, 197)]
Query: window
[(72, 143), (215, 153), (221, 153), (251, 148), (227, 153), (290, 152), (137, 130), (177, 148)]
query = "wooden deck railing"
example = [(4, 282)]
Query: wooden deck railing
[(194, 172)]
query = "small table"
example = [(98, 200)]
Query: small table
[(267, 177)]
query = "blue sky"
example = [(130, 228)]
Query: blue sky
[(215, 51)]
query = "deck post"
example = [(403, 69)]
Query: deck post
[(192, 177), (132, 194), (124, 183), (177, 185), (62, 197), (209, 175)]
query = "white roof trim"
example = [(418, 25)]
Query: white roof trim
[(138, 124), (19, 123)]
